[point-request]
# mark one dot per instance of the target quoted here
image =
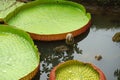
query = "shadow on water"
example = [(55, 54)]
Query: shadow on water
[(50, 58)]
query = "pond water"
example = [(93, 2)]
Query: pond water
[(95, 41)]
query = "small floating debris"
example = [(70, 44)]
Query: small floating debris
[(116, 37), (98, 57), (60, 49), (69, 39)]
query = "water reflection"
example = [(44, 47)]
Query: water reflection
[(50, 58), (117, 74), (98, 41), (106, 21)]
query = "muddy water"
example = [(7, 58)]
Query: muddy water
[(95, 41)]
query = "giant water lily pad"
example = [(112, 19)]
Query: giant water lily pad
[(50, 20), (7, 6), (19, 58), (76, 70)]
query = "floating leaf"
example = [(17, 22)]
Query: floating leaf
[(19, 58), (50, 20), (76, 70), (7, 6)]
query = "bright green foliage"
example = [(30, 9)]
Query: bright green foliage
[(74, 70), (7, 6), (49, 17), (18, 54)]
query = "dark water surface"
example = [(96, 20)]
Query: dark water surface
[(95, 41)]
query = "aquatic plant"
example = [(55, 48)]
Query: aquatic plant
[(19, 57), (76, 70)]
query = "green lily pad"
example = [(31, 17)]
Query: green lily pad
[(7, 6), (76, 70), (19, 58), (49, 17)]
